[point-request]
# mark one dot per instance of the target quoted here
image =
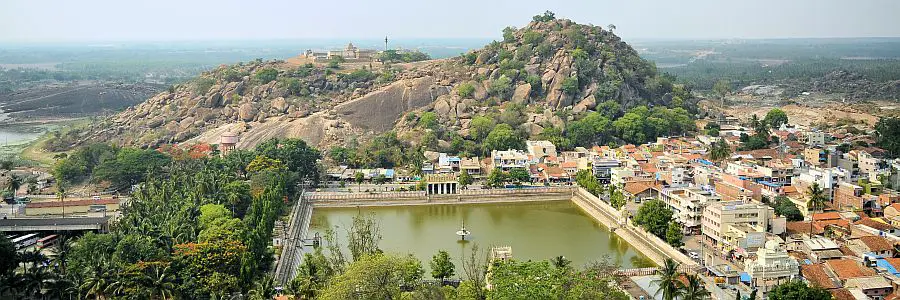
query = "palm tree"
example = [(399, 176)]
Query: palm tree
[(61, 195), (15, 182), (35, 282), (668, 280), (264, 289), (719, 150), (97, 282), (816, 197), (561, 262), (694, 289), (160, 283), (61, 252)]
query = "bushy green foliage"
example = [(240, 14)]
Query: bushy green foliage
[(428, 120), (503, 137), (360, 75), (80, 164), (266, 75), (654, 216), (775, 117), (570, 85), (203, 84), (129, 167), (798, 290), (592, 129), (480, 127), (547, 16), (501, 87), (511, 279), (532, 37), (441, 265), (465, 90), (640, 124), (784, 207), (888, 135)]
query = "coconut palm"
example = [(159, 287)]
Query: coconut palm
[(264, 289), (561, 262), (668, 280), (159, 282), (97, 282), (816, 197), (694, 289), (35, 282), (719, 150), (15, 182)]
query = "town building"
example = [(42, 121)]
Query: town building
[(602, 168), (441, 184), (718, 216), (688, 203), (771, 267), (539, 150), (509, 159)]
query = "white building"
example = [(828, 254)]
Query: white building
[(688, 203), (509, 159), (540, 149), (718, 217), (771, 267)]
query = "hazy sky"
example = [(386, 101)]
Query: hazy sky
[(159, 20)]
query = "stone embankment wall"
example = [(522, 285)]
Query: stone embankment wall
[(420, 198), (651, 246)]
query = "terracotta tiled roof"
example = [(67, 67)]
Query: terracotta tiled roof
[(894, 262), (790, 189), (846, 269), (569, 164), (635, 188), (874, 224), (800, 227), (817, 275), (826, 216), (648, 168), (876, 243)]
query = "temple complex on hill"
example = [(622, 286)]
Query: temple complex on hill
[(349, 53)]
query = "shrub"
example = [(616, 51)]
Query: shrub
[(266, 75), (465, 90)]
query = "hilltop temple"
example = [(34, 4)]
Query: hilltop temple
[(349, 53)]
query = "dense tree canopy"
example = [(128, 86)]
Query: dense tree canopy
[(654, 216), (888, 135), (798, 290)]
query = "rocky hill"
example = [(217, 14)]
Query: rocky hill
[(548, 74)]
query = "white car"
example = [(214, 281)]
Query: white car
[(693, 255)]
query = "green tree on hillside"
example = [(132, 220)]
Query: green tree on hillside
[(775, 117), (480, 127), (266, 75), (503, 137), (722, 88)]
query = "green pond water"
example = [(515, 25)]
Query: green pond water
[(535, 231)]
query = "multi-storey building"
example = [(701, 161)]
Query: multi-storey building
[(688, 205), (509, 159), (718, 216)]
